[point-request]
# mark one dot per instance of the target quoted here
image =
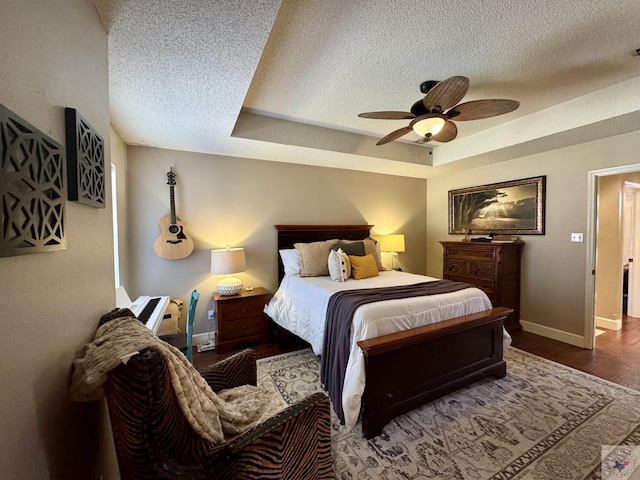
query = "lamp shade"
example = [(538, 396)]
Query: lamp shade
[(392, 243), (224, 262), (228, 260)]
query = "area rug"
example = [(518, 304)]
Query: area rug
[(543, 421)]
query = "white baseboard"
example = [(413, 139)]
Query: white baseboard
[(608, 323), (553, 333)]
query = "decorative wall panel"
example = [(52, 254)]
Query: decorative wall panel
[(85, 161), (32, 190)]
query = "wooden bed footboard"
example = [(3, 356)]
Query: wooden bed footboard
[(410, 368)]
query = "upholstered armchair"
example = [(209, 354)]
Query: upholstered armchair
[(154, 440)]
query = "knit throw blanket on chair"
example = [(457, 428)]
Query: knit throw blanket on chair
[(213, 416)]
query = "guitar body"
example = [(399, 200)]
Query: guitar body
[(172, 243)]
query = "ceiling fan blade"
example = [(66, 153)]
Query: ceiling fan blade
[(388, 115), (478, 109), (448, 132), (446, 94), (395, 134)]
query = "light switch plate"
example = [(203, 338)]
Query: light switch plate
[(577, 237)]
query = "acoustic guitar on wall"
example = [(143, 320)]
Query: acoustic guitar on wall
[(172, 243)]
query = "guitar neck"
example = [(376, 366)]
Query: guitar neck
[(173, 205)]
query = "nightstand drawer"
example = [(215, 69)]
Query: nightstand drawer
[(245, 327), (250, 307)]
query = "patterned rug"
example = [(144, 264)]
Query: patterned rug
[(543, 421)]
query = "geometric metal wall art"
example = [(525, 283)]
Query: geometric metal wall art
[(32, 189), (85, 161)]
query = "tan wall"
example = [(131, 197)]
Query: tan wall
[(553, 268), (54, 55), (237, 201), (608, 300), (119, 159)]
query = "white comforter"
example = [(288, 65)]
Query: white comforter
[(300, 306)]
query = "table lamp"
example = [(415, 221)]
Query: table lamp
[(226, 261), (392, 244)]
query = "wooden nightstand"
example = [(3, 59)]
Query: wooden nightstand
[(241, 318)]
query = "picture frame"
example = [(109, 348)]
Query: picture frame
[(85, 161), (515, 207)]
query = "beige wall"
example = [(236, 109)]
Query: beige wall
[(608, 299), (237, 201), (119, 160), (553, 268), (54, 55)]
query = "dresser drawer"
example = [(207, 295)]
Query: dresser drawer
[(250, 307), (471, 252), (454, 266), (471, 268), (482, 270), (487, 286), (243, 328)]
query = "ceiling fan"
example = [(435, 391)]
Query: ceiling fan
[(431, 117)]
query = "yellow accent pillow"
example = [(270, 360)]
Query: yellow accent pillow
[(363, 267)]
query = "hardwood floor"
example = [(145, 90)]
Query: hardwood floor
[(616, 357), (200, 359)]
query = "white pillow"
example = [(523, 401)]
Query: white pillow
[(290, 261), (339, 266)]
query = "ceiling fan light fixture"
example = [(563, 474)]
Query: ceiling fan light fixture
[(428, 126)]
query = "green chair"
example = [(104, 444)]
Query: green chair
[(191, 313), (183, 342)]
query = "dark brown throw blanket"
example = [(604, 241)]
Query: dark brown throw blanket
[(337, 329)]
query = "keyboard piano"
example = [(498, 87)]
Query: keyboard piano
[(149, 310)]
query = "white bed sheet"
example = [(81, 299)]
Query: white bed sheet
[(300, 306)]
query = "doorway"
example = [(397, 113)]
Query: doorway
[(610, 232)]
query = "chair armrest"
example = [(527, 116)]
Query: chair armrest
[(277, 443), (233, 371)]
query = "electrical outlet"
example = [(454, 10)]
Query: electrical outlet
[(210, 315), (576, 237)]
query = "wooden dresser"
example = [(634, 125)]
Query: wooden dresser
[(492, 267), (241, 319)]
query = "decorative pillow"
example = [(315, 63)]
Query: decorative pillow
[(314, 258), (371, 246), (350, 247), (363, 267), (290, 261), (339, 265)]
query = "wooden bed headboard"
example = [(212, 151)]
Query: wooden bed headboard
[(288, 235)]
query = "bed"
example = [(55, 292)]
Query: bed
[(408, 359)]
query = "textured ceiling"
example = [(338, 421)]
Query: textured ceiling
[(284, 81)]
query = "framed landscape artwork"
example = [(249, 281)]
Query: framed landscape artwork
[(507, 208)]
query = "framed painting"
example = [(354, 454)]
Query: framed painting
[(507, 208)]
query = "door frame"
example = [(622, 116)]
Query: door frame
[(592, 221)]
